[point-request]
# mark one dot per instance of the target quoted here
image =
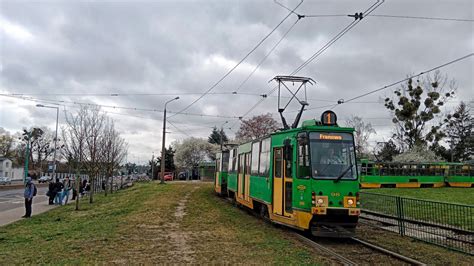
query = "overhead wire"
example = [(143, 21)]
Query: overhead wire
[(265, 57), (407, 78), (236, 65), (425, 18), (319, 52), (59, 102)]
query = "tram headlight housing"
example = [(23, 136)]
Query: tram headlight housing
[(321, 201), (350, 202)]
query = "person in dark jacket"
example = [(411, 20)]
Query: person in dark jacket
[(28, 195), (58, 188), (51, 192), (82, 187)]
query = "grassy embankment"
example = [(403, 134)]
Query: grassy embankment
[(149, 223)]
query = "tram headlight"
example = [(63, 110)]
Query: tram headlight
[(321, 201), (350, 202)]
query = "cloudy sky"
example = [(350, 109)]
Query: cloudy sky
[(139, 54)]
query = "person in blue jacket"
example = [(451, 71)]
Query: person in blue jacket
[(30, 191)]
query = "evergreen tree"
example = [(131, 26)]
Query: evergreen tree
[(459, 130), (215, 137), (387, 152), (169, 160)]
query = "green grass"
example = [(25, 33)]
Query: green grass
[(139, 226), (448, 214), (443, 194)]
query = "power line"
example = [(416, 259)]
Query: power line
[(406, 79), (178, 129), (234, 67), (390, 16), (61, 102), (338, 36), (321, 50), (266, 56), (425, 18), (115, 94)]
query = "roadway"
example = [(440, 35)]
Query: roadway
[(13, 198)]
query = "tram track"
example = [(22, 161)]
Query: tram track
[(349, 251), (354, 251)]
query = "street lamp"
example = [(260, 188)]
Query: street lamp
[(56, 135), (163, 143)]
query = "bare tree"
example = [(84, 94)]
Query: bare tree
[(256, 127), (7, 143), (363, 130), (94, 125), (74, 135), (92, 145), (114, 149)]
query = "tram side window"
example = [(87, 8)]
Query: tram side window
[(225, 162), (241, 163), (255, 157), (278, 161), (218, 165), (264, 157), (234, 160), (247, 163)]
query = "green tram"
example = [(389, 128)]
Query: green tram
[(222, 165), (305, 177), (460, 175), (414, 175)]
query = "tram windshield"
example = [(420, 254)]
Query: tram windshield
[(332, 156)]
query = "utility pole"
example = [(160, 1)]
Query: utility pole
[(152, 165), (222, 132), (162, 163), (55, 136), (25, 174)]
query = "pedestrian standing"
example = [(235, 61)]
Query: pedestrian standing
[(30, 192), (83, 187), (74, 190), (51, 192), (58, 187), (67, 188)]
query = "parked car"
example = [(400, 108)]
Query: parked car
[(5, 180), (168, 177), (45, 179)]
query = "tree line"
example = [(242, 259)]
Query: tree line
[(88, 143)]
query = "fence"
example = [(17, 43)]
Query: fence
[(444, 224)]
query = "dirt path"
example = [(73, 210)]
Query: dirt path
[(155, 234), (179, 238)]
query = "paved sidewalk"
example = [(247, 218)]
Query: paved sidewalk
[(14, 215)]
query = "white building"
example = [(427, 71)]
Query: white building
[(5, 167)]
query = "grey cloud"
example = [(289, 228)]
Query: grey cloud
[(160, 47)]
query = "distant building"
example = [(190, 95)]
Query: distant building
[(18, 173), (6, 167), (207, 170)]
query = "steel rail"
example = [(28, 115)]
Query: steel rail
[(312, 243), (388, 252)]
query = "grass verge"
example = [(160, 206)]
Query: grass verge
[(443, 194), (151, 223)]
